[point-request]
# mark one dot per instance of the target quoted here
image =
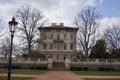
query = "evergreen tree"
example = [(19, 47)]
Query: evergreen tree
[(99, 50)]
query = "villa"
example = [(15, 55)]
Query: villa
[(57, 42)]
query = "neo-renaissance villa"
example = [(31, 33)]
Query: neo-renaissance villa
[(57, 42)]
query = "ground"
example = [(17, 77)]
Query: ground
[(59, 75)]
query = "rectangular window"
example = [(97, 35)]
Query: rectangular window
[(58, 46), (71, 36), (71, 46), (44, 46), (58, 37), (51, 46), (64, 36), (51, 36), (65, 56), (65, 47)]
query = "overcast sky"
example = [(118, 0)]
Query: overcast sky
[(62, 10)]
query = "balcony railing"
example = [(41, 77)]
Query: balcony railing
[(58, 40)]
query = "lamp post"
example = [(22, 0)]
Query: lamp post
[(12, 26)]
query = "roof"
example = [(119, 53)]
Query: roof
[(58, 27)]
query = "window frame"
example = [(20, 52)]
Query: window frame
[(71, 47), (65, 46)]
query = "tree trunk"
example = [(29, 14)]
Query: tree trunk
[(29, 51)]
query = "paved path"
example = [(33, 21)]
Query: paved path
[(59, 75), (99, 77), (20, 75)]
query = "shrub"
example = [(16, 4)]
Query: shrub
[(79, 68), (105, 69), (38, 67)]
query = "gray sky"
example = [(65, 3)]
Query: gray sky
[(55, 10), (62, 10)]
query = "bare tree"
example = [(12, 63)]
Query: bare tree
[(5, 48), (0, 29), (30, 19), (112, 37), (87, 23), (2, 32)]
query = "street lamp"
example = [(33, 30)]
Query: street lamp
[(12, 26)]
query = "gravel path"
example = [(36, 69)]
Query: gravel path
[(59, 75)]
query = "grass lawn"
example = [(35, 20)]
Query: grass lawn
[(32, 72), (16, 78), (98, 73), (102, 79)]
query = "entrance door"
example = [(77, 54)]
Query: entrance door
[(58, 61)]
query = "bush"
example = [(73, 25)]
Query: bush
[(79, 68), (38, 67), (105, 69), (13, 67)]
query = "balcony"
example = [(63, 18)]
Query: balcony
[(58, 40)]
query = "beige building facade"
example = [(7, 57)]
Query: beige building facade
[(57, 42)]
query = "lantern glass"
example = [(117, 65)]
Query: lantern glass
[(12, 25)]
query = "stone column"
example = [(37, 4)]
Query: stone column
[(49, 63), (67, 63)]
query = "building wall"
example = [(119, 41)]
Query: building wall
[(49, 38), (58, 42)]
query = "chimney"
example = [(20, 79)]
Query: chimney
[(53, 24), (61, 24)]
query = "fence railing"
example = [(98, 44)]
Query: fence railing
[(24, 59), (97, 60)]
